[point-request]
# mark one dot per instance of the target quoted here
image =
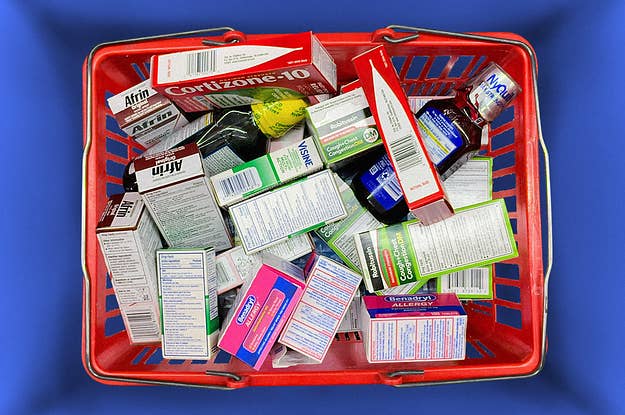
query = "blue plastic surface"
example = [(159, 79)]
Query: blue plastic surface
[(580, 49)]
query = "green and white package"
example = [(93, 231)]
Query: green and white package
[(266, 172), (339, 236), (411, 252), (343, 127)]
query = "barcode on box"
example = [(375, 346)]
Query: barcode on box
[(142, 326), (201, 62), (469, 281), (240, 183), (391, 187), (405, 153)]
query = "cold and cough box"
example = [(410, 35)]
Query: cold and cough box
[(262, 308), (409, 328)]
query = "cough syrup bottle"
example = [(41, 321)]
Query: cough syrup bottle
[(452, 128)]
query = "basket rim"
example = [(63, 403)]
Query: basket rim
[(393, 378)]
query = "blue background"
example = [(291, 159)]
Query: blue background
[(580, 48)]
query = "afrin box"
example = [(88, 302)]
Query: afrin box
[(144, 114), (261, 310), (343, 127), (187, 290), (268, 69), (409, 252), (233, 265), (330, 289), (177, 193), (287, 211), (266, 172), (412, 328), (129, 239), (417, 176)]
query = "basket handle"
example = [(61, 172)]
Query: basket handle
[(389, 34)]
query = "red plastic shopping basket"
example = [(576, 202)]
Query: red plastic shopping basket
[(506, 336)]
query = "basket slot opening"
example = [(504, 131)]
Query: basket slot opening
[(484, 348), (504, 160), (398, 63), (510, 203), (199, 362), (112, 126), (460, 66), (113, 189), (505, 117), (139, 72), (488, 304), (109, 283), (146, 66), (502, 139), (508, 316), (223, 357), (513, 225), (156, 357), (140, 355), (505, 270), (472, 352), (113, 325), (477, 65), (504, 182), (111, 303), (116, 148), (508, 292), (176, 361), (115, 169), (439, 63), (416, 66)]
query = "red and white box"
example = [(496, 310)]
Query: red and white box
[(144, 114), (420, 183), (413, 328), (268, 69), (330, 289)]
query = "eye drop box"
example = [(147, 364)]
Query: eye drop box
[(144, 114), (410, 252), (266, 172), (330, 289), (129, 239), (179, 197), (187, 290), (413, 328), (262, 308), (417, 176), (260, 70), (293, 209)]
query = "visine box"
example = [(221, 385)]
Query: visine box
[(129, 239), (330, 289), (266, 172), (343, 127), (178, 194), (259, 70), (413, 328), (187, 289), (417, 176), (290, 210), (144, 114), (261, 310)]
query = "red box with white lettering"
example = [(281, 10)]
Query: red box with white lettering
[(269, 69), (419, 180)]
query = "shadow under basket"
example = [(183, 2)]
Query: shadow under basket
[(505, 337)]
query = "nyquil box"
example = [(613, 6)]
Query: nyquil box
[(412, 328), (145, 114), (129, 239), (262, 307), (270, 68), (177, 193)]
